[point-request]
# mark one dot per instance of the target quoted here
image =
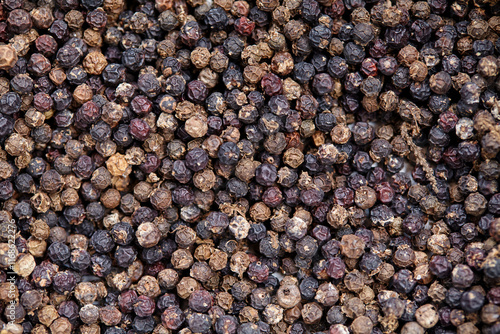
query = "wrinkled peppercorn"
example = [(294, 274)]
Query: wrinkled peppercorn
[(274, 164)]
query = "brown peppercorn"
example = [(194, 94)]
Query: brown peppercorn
[(312, 313), (148, 286), (117, 165), (362, 325), (260, 212), (111, 198), (168, 278), (134, 273), (352, 246), (365, 197), (42, 17), (60, 326), (327, 294), (418, 71), (438, 244), (82, 94), (182, 259), (47, 315), (282, 63), (78, 241), (467, 328), (200, 57), (94, 63), (273, 314), (120, 281), (478, 29), (208, 77), (404, 256), (186, 287), (408, 55), (196, 126), (201, 271), (293, 157), (142, 191), (69, 197), (40, 230), (288, 296), (218, 260), (86, 292)]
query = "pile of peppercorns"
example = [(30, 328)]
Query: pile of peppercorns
[(250, 167)]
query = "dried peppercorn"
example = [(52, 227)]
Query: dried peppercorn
[(245, 104)]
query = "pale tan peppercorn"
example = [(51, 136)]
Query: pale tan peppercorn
[(121, 281), (209, 77), (282, 63), (293, 157), (60, 326), (288, 296), (94, 63), (239, 262), (6, 170), (352, 246), (168, 278), (39, 229), (16, 145), (422, 274), (36, 247), (218, 260), (337, 216), (148, 234), (34, 118), (42, 17), (204, 180), (273, 314), (93, 38), (90, 329), (25, 264), (186, 287), (182, 259), (78, 241), (427, 316), (281, 15), (86, 293), (82, 93), (291, 89), (196, 126), (118, 165), (200, 57), (8, 57), (148, 286), (389, 101), (47, 315), (224, 300)]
